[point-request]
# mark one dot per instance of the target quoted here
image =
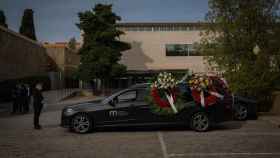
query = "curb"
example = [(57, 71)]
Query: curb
[(273, 121)]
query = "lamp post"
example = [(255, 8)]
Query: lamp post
[(256, 50)]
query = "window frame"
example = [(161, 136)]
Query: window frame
[(127, 100), (187, 50), (137, 93)]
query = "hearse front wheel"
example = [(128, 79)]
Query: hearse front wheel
[(81, 123)]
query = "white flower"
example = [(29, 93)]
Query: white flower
[(165, 80)]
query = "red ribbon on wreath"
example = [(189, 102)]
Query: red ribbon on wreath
[(208, 100), (163, 103)]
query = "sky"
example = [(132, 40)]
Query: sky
[(55, 19)]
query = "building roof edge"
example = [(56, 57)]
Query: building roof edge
[(20, 36), (123, 24)]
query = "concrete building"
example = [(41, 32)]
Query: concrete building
[(158, 47), (162, 46), (22, 60), (67, 61), (20, 56)]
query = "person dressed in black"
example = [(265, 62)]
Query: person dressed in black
[(21, 98), (37, 104), (26, 98), (16, 101)]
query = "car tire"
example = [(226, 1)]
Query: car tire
[(81, 123), (241, 112), (200, 122)]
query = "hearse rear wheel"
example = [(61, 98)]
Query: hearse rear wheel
[(200, 122), (241, 112)]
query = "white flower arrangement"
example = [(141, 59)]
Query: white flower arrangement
[(165, 81)]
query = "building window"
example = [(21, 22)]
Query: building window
[(156, 28), (180, 50), (129, 29), (148, 29), (134, 29)]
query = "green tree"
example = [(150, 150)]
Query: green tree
[(3, 19), (72, 43), (102, 47), (27, 25), (236, 28)]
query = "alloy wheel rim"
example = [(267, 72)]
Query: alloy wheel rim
[(81, 124), (241, 113), (200, 122)]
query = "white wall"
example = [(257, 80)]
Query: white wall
[(148, 51)]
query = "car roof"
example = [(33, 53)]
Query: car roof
[(140, 85)]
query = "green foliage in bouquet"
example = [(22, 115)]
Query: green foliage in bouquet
[(165, 111), (164, 83)]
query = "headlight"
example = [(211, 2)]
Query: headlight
[(69, 112)]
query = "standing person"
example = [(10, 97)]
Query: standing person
[(15, 95), (22, 98), (37, 104), (26, 98)]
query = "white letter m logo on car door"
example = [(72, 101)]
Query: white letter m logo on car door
[(113, 113)]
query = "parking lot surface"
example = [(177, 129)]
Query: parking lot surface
[(253, 138)]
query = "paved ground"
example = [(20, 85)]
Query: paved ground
[(52, 99), (254, 138), (54, 96)]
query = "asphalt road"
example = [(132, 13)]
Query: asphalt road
[(254, 138)]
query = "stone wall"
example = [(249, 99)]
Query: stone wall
[(66, 59), (276, 103), (67, 62), (58, 56), (72, 61), (20, 56)]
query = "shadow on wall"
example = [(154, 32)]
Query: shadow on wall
[(135, 58)]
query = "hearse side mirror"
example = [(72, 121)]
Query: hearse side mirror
[(113, 102)]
